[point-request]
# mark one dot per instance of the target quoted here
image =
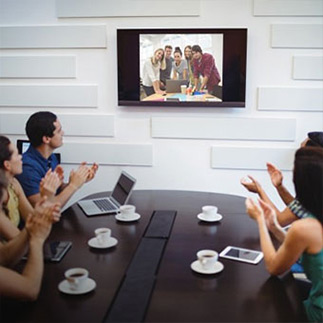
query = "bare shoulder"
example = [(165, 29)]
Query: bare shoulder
[(310, 230), (306, 224)]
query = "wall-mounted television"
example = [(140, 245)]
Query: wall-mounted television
[(213, 74)]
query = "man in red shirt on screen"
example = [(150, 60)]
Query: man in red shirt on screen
[(204, 64)]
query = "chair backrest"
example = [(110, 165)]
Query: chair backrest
[(23, 145)]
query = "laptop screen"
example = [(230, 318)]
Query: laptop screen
[(123, 188)]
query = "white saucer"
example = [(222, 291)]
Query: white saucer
[(214, 218), (135, 217), (196, 266), (95, 244), (89, 285)]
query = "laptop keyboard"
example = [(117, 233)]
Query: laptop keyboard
[(104, 205)]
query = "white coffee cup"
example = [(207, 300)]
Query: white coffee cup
[(183, 89), (209, 210), (102, 235), (207, 258), (127, 211), (76, 277)]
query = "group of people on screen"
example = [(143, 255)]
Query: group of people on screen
[(198, 68), (32, 192)]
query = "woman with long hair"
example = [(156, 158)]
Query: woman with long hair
[(189, 60), (151, 72), (16, 205), (25, 285), (304, 239), (180, 71)]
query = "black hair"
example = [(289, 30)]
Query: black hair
[(178, 50), (5, 153), (308, 179), (40, 124), (315, 139), (197, 48)]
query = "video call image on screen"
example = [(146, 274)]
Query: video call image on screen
[(179, 66), (143, 57)]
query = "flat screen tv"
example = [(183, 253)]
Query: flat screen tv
[(147, 77)]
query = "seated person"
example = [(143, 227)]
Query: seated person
[(17, 206), (305, 237), (45, 134), (293, 210), (26, 285)]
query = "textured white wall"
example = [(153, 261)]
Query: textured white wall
[(279, 89)]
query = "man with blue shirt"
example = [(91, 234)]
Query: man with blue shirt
[(45, 134)]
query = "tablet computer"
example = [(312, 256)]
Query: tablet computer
[(241, 254), (54, 251)]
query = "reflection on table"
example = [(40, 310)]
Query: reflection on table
[(241, 292)]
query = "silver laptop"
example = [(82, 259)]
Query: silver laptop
[(106, 205), (174, 86)]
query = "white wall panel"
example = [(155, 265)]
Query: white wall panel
[(38, 66), (308, 67), (224, 128), (13, 124), (291, 99), (126, 8), (60, 36), (251, 157), (48, 95), (100, 125), (288, 8), (107, 154), (297, 35)]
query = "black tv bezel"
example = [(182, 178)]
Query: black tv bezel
[(129, 74)]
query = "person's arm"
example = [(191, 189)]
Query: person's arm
[(208, 63), (273, 225), (276, 177), (185, 74), (254, 186), (13, 250), (49, 184), (277, 262), (174, 74), (196, 81), (286, 217), (76, 180), (156, 86), (27, 285), (204, 82), (7, 229)]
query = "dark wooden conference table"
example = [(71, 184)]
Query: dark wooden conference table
[(240, 293)]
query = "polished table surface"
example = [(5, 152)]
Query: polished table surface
[(241, 292)]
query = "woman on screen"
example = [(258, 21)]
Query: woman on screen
[(305, 236), (180, 71), (189, 60), (151, 72)]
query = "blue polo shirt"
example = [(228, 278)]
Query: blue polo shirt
[(34, 168)]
